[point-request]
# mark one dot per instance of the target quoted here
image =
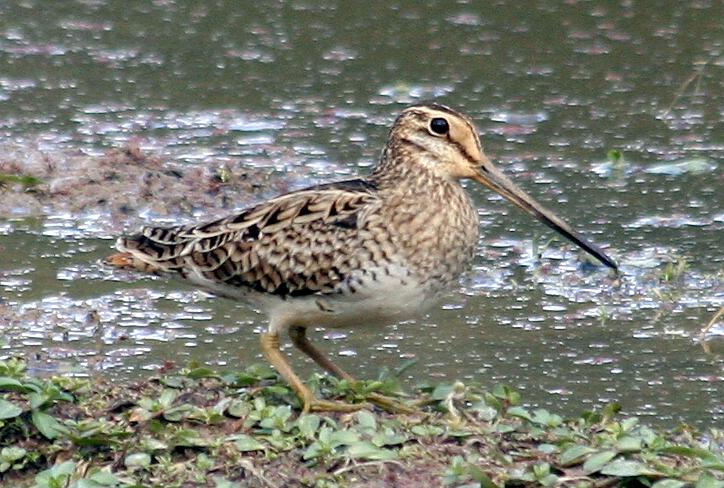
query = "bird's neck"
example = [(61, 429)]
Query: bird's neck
[(399, 168), (434, 219)]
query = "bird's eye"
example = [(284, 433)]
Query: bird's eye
[(439, 126)]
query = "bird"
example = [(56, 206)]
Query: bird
[(351, 253)]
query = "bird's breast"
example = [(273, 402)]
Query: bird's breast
[(436, 237)]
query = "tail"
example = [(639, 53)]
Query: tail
[(125, 260), (154, 250), (181, 249)]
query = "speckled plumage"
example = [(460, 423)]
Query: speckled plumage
[(349, 253), (336, 245)]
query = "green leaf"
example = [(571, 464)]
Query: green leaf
[(137, 460), (11, 384), (246, 443), (24, 180), (707, 480), (548, 448), (481, 477), (459, 433), (9, 410), (485, 412), (614, 156), (520, 412), (625, 467), (691, 452), (367, 450), (91, 483), (541, 470), (308, 425), (9, 457), (239, 408), (167, 398), (506, 393), (104, 478), (313, 451), (628, 444), (56, 476), (37, 399), (88, 484), (668, 484), (427, 430), (388, 438), (545, 418), (598, 461), (366, 420), (503, 428), (628, 424), (343, 437), (610, 411), (325, 433), (201, 372), (12, 454), (575, 454), (442, 391), (188, 438), (176, 414), (48, 425)]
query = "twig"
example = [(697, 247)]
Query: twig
[(711, 323), (707, 328), (696, 75), (368, 463)]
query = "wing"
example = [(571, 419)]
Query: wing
[(287, 246)]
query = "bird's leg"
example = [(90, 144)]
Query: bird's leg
[(270, 347), (299, 338)]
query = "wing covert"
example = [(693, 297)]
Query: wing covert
[(287, 246)]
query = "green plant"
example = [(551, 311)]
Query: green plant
[(674, 270)]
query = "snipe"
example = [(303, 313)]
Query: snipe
[(350, 253)]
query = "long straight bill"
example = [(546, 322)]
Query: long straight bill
[(494, 179)]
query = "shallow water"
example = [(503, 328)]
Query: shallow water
[(298, 93)]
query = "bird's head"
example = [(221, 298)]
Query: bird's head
[(445, 143)]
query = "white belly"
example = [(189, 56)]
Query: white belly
[(380, 298), (381, 309)]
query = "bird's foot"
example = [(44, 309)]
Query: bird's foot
[(315, 405), (390, 404)]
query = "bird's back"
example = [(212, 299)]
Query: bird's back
[(287, 246)]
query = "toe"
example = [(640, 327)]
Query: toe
[(330, 406), (390, 404)]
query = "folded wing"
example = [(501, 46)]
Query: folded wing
[(287, 246)]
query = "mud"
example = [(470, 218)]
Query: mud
[(127, 186)]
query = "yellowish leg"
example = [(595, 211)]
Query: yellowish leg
[(300, 340), (270, 347)]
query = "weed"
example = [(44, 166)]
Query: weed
[(212, 429), (674, 270)]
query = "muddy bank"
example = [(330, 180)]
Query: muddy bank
[(127, 186)]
